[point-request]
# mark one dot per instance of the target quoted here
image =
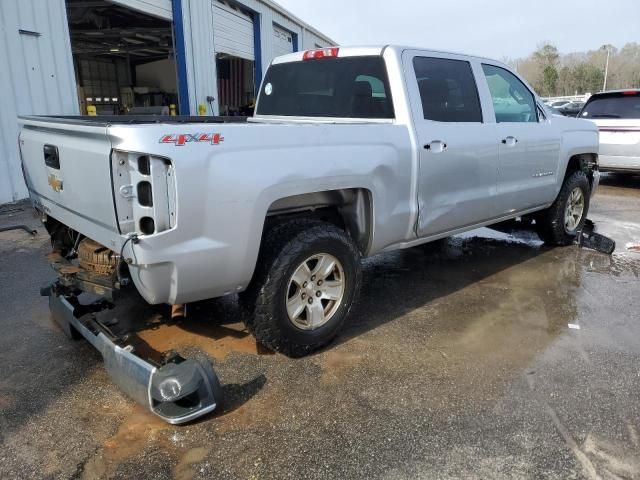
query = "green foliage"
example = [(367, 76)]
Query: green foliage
[(547, 54), (549, 80), (554, 74)]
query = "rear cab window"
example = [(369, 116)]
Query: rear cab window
[(623, 105), (448, 90), (349, 87)]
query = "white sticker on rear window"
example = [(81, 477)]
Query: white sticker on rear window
[(268, 89)]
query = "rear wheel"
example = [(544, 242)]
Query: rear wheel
[(561, 223), (306, 282)]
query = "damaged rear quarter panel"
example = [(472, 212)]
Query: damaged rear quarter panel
[(225, 190)]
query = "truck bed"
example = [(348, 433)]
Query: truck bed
[(105, 120)]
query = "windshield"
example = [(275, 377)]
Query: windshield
[(619, 105), (351, 87)]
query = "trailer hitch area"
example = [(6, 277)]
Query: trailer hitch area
[(588, 238), (178, 390)]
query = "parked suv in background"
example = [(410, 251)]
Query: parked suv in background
[(617, 114)]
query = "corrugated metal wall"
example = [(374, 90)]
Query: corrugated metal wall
[(282, 41), (36, 77), (157, 8), (200, 54), (36, 67), (232, 31), (270, 16), (197, 16)]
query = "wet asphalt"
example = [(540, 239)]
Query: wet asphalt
[(462, 360)]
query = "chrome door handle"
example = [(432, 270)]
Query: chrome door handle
[(436, 146), (509, 141)]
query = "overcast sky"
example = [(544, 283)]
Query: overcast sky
[(492, 28)]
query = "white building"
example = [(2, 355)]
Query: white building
[(63, 57)]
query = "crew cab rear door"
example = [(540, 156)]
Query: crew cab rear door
[(68, 173), (458, 152)]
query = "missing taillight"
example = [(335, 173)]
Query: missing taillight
[(145, 194), (144, 165), (147, 226), (144, 190)]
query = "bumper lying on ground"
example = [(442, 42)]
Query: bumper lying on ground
[(177, 392)]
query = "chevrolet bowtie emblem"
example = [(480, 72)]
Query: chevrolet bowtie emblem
[(55, 183)]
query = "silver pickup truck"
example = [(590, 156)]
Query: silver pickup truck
[(351, 152)]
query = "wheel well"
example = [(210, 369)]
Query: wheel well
[(586, 162), (350, 209)]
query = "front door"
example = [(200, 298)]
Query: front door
[(458, 152), (529, 144)]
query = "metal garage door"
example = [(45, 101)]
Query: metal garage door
[(282, 41), (156, 8), (232, 31)]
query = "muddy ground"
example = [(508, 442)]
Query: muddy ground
[(459, 362)]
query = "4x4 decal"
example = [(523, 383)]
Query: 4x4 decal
[(182, 139)]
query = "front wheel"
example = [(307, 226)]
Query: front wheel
[(561, 223), (306, 281)]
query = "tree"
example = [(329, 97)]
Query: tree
[(552, 73), (549, 80), (546, 55)]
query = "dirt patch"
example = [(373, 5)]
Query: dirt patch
[(184, 469), (20, 239), (6, 401), (215, 340), (140, 432), (134, 435), (337, 364), (614, 458)]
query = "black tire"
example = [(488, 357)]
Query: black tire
[(284, 248), (551, 222)]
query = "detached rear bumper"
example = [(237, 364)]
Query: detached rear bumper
[(177, 392)]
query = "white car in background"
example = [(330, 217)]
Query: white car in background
[(617, 114), (558, 103)]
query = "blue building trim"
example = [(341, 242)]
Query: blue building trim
[(257, 49), (181, 58)]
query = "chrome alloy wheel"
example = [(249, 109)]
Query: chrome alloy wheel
[(574, 210), (315, 291)]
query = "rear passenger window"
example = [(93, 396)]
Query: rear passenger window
[(447, 89), (512, 100)]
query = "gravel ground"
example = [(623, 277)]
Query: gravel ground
[(459, 362)]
